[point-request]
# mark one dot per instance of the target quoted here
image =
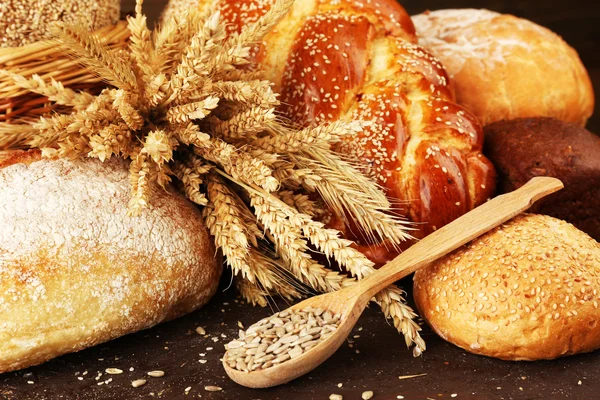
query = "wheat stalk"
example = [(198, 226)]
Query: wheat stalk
[(55, 91), (345, 190), (90, 51), (226, 224), (285, 140), (240, 164), (272, 276), (300, 202), (245, 125), (140, 45), (182, 106), (16, 137), (251, 292), (257, 31)]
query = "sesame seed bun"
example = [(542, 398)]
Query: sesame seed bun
[(24, 22), (525, 291), (504, 67)]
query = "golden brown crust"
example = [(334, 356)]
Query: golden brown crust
[(357, 59), (75, 271), (11, 157), (525, 291), (504, 67)]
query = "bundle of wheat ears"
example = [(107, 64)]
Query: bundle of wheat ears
[(187, 101)]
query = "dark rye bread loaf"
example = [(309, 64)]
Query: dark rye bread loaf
[(524, 148)]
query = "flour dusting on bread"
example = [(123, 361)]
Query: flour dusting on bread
[(76, 271)]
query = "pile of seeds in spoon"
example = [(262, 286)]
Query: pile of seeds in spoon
[(283, 336)]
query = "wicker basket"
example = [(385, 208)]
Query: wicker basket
[(48, 60)]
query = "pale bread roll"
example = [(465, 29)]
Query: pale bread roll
[(504, 67), (75, 271), (526, 291)]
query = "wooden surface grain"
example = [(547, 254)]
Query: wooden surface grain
[(372, 359)]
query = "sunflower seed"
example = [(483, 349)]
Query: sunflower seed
[(289, 339), (113, 371), (295, 352), (138, 383), (234, 344), (281, 337), (368, 395), (283, 348)]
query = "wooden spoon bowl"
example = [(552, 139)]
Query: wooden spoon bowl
[(350, 302), (347, 303)]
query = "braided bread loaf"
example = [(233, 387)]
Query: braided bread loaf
[(356, 59)]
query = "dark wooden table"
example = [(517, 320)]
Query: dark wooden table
[(374, 360)]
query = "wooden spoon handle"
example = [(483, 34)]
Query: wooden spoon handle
[(459, 232)]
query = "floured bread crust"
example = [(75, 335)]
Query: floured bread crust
[(504, 67), (76, 271)]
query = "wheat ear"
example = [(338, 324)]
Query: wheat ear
[(140, 43), (90, 51), (55, 91)]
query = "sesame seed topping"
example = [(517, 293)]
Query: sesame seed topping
[(24, 22)]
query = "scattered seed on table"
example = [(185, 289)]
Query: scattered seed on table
[(113, 371), (213, 388), (138, 383), (411, 376), (336, 397), (200, 331), (368, 395), (156, 374)]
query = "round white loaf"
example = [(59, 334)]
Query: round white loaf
[(76, 271)]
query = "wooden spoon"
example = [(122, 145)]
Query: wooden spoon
[(350, 302)]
